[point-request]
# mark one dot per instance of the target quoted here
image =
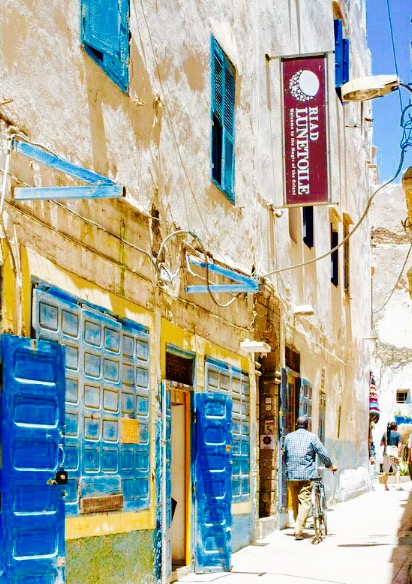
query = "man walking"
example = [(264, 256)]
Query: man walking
[(301, 448)]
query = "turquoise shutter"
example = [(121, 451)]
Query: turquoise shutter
[(217, 114), (101, 25), (223, 121), (218, 82), (338, 52), (229, 131), (105, 35)]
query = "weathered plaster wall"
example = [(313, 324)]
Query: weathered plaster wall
[(156, 142), (118, 559), (392, 305)]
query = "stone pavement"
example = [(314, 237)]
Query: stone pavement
[(369, 542)]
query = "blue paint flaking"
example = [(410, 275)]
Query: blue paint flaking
[(47, 193), (36, 153)]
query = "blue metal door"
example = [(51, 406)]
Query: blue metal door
[(213, 482), (32, 478)]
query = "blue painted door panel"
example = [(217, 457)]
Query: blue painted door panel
[(32, 513), (168, 452), (213, 482), (284, 428), (107, 380)]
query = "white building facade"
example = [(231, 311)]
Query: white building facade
[(142, 156)]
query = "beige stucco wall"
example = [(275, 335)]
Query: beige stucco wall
[(156, 142)]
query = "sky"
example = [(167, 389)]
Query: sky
[(387, 132)]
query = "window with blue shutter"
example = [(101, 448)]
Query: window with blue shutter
[(223, 121), (342, 46), (105, 37)]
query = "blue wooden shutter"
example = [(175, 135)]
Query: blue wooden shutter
[(229, 130), (218, 82), (338, 52), (105, 34), (101, 25), (217, 113), (345, 60), (223, 121)]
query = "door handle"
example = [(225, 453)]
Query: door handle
[(61, 477)]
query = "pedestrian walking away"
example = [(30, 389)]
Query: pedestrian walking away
[(392, 454), (300, 450)]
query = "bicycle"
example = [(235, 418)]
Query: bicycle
[(318, 508)]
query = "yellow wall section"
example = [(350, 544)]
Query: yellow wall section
[(34, 265), (108, 524)]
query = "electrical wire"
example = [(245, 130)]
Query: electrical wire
[(393, 49), (202, 247), (165, 102), (155, 262), (397, 282)]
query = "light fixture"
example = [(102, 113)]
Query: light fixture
[(365, 88), (248, 346), (303, 310)]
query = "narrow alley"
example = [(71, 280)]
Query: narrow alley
[(369, 541)]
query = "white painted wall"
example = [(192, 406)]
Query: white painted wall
[(392, 305)]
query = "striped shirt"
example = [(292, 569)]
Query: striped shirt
[(300, 449)]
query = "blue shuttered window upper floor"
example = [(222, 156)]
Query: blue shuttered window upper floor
[(223, 121), (105, 36), (342, 46)]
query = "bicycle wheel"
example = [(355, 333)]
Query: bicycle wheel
[(323, 507), (317, 515)]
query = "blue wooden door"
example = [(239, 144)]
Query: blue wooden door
[(32, 512), (284, 428), (213, 482), (168, 479)]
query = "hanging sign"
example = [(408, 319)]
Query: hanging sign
[(305, 133)]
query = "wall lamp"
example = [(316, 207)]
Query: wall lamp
[(248, 346), (303, 310), (365, 88)]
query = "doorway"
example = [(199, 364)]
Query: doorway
[(179, 375), (180, 476)]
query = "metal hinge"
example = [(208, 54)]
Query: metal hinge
[(194, 488), (194, 417)]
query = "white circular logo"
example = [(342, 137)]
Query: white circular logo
[(304, 85)]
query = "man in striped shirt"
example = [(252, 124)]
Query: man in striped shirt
[(300, 449)]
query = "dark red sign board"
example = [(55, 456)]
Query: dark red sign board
[(305, 127)]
